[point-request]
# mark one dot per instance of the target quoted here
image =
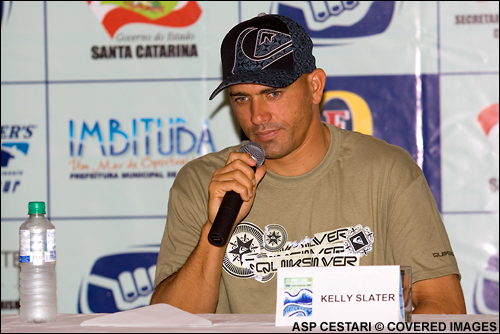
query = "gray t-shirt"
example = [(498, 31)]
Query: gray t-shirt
[(366, 203)]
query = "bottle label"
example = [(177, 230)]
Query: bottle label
[(50, 248), (37, 248), (24, 246)]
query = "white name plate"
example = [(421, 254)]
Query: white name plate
[(329, 294)]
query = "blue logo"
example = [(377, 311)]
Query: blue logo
[(15, 147), (119, 282), (338, 22), (297, 303), (486, 288), (19, 134), (139, 137), (12, 148)]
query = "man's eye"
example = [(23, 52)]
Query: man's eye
[(240, 99), (274, 94)]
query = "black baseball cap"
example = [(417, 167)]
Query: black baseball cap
[(270, 50)]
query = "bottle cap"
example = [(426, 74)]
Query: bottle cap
[(36, 207)]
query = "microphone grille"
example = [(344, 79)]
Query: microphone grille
[(255, 150)]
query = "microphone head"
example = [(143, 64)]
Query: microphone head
[(255, 150)]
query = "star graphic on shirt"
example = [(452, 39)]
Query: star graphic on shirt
[(241, 249), (273, 238)]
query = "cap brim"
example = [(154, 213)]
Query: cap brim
[(220, 88), (271, 78)]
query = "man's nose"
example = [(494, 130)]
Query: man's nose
[(260, 113)]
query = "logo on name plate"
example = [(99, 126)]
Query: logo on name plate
[(298, 297)]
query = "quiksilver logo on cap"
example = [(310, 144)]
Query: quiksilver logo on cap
[(261, 49)]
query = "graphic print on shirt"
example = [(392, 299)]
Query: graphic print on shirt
[(253, 253), (359, 240)]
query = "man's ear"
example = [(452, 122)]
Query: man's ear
[(317, 80)]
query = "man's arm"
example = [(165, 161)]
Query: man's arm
[(195, 287), (440, 295)]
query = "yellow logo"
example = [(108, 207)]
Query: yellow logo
[(347, 110)]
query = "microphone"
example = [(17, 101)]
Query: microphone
[(231, 203)]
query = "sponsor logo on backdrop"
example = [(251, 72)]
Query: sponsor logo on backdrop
[(6, 10), (168, 16), (486, 288), (134, 148), (119, 281), (488, 121), (347, 110), (339, 22), (16, 142), (481, 18)]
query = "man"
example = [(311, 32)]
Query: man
[(324, 196)]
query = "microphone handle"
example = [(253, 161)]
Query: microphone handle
[(226, 216)]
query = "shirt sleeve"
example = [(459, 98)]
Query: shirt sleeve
[(187, 213), (418, 235)]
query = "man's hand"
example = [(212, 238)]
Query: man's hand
[(238, 176)]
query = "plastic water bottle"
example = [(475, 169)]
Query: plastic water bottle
[(37, 259)]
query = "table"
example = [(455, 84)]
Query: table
[(246, 323)]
